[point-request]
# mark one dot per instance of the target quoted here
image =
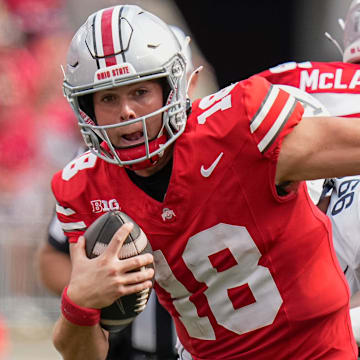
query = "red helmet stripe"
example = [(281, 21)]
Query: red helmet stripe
[(107, 37)]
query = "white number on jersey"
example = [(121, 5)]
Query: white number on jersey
[(209, 100), (243, 272), (84, 161), (345, 194)]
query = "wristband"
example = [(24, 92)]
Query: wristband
[(76, 314)]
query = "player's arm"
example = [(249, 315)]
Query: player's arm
[(95, 284), (320, 147), (54, 268), (53, 260), (76, 342)]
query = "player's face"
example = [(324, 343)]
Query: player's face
[(129, 102)]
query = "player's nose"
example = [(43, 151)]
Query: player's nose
[(126, 111)]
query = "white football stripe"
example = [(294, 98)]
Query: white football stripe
[(283, 116), (128, 249), (133, 248), (64, 211), (265, 108), (80, 225), (99, 248)]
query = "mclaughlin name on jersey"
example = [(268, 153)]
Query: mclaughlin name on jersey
[(334, 84)]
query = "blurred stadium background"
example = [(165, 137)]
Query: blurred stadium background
[(39, 135)]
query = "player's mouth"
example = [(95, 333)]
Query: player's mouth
[(131, 139)]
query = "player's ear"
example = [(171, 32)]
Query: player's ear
[(193, 81)]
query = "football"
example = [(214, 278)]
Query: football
[(98, 235)]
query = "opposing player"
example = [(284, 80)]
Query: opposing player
[(342, 206), (240, 250)]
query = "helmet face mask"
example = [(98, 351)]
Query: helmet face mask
[(119, 46), (352, 34)]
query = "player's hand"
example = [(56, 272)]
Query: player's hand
[(98, 282)]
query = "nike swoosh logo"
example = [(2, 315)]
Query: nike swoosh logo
[(207, 172)]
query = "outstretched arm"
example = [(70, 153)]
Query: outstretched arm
[(94, 284), (320, 147)]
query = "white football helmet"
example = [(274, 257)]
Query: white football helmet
[(184, 41), (352, 33), (118, 46)]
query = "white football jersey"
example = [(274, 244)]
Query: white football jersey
[(344, 212)]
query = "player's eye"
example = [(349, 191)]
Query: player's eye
[(108, 98), (140, 92)]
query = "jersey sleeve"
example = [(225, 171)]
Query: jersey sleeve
[(72, 224), (286, 74), (272, 114), (56, 236), (70, 187)]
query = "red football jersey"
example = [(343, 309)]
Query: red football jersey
[(245, 273), (335, 84)]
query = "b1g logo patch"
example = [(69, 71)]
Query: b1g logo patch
[(99, 206)]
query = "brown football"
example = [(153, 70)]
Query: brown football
[(98, 235)]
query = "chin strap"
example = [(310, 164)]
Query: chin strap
[(139, 151)]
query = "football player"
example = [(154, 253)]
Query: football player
[(244, 260), (144, 338)]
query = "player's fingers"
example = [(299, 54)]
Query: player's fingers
[(135, 288), (77, 250), (136, 262), (139, 276), (118, 239)]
